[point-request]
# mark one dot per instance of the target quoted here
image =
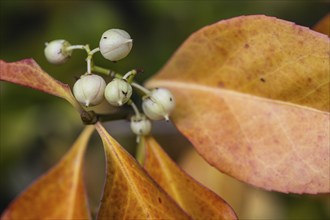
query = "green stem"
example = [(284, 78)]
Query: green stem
[(140, 151), (130, 76), (88, 50), (143, 91), (89, 59), (103, 71)]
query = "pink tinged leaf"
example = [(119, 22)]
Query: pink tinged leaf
[(253, 98), (28, 73)]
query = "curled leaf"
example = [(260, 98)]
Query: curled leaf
[(253, 98), (129, 192), (195, 199), (28, 73), (58, 194)]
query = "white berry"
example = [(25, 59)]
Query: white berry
[(115, 44), (118, 92), (140, 125), (89, 89), (56, 53), (158, 104)]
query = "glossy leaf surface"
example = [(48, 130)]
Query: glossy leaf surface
[(195, 199), (28, 73), (252, 96), (58, 194), (129, 192)]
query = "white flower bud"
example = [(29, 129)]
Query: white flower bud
[(158, 104), (115, 44), (89, 89), (56, 53), (140, 125), (118, 92)]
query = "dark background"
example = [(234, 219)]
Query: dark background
[(37, 129)]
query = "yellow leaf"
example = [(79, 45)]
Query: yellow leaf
[(129, 192), (195, 199), (58, 194), (28, 73), (252, 96)]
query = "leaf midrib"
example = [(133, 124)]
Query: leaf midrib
[(216, 90)]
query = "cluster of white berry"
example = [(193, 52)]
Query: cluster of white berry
[(91, 89)]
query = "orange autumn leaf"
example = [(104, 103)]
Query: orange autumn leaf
[(323, 26), (129, 193), (195, 199), (28, 73), (252, 96), (58, 194)]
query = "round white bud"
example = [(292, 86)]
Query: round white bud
[(56, 53), (140, 125), (115, 44), (118, 92), (89, 89), (158, 104)]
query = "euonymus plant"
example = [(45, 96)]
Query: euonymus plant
[(250, 93)]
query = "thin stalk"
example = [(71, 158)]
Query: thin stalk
[(130, 73), (89, 64), (94, 51), (101, 70), (76, 47), (140, 88), (105, 71), (140, 151), (89, 58), (136, 110)]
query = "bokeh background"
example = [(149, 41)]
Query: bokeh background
[(37, 129)]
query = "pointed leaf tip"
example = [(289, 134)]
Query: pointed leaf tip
[(59, 193), (129, 193), (28, 73), (195, 199)]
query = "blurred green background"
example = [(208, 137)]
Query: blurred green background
[(37, 129)]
